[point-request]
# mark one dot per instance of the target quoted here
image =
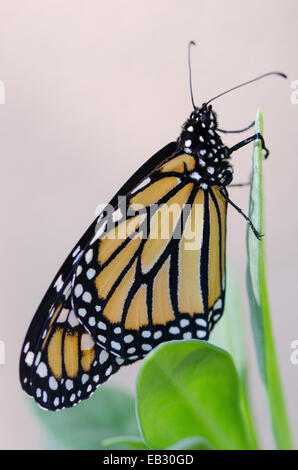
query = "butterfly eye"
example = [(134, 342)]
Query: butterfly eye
[(205, 119)]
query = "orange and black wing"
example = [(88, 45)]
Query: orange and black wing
[(64, 365), (155, 270), (44, 329)]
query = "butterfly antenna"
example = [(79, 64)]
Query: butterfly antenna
[(280, 74), (191, 43)]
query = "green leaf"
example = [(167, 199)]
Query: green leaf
[(186, 389), (192, 443), (107, 413), (126, 442), (229, 334), (259, 303)]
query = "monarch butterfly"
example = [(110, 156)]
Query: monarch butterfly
[(122, 291)]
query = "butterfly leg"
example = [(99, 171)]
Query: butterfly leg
[(238, 185), (255, 231), (238, 131), (247, 141)]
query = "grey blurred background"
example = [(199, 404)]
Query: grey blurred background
[(93, 89)]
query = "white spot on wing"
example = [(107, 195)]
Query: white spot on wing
[(89, 256), (102, 325), (72, 319), (201, 333), (86, 342), (146, 334), (128, 338), (76, 251), (157, 334), (85, 378), (29, 358), (103, 357), (53, 383), (63, 315), (82, 312), (187, 335), (78, 290), (218, 304), (42, 370), (174, 330), (195, 175), (59, 283), (69, 384), (141, 185), (99, 232), (87, 297), (115, 345), (117, 215), (90, 273)]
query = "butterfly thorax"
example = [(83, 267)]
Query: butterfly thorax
[(200, 139)]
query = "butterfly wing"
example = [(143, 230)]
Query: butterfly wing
[(65, 365), (155, 270), (55, 296), (58, 292)]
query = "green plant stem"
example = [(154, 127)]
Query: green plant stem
[(247, 412), (230, 335), (259, 304), (280, 422)]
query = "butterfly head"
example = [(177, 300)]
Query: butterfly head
[(204, 117), (199, 128)]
